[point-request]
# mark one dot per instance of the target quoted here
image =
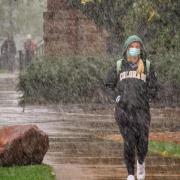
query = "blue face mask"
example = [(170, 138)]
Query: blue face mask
[(133, 52)]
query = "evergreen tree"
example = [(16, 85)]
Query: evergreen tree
[(156, 21)]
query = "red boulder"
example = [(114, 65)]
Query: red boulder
[(22, 145)]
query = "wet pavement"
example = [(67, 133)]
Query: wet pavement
[(77, 151)]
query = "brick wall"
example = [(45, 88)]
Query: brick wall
[(68, 32)]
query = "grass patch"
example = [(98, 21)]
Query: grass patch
[(33, 172), (165, 149)]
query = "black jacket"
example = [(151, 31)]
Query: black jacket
[(135, 93)]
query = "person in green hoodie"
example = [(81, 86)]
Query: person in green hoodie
[(134, 80)]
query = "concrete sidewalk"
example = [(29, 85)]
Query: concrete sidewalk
[(76, 152)]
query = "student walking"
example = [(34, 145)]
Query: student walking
[(134, 80)]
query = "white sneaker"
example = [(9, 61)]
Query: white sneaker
[(130, 177), (140, 171)]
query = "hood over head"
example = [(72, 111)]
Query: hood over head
[(131, 39)]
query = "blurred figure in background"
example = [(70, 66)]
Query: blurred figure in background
[(8, 52), (29, 49)]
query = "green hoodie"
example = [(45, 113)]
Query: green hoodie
[(131, 39)]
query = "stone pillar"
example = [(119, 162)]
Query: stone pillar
[(67, 32)]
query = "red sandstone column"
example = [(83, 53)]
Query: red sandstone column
[(67, 32)]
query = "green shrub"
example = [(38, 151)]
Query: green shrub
[(71, 80), (168, 67), (80, 80)]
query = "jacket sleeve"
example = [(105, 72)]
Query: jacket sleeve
[(111, 78), (111, 82), (152, 83)]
